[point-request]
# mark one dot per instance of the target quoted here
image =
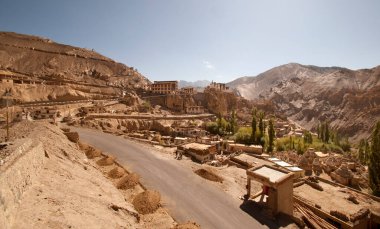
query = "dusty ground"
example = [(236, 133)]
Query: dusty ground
[(72, 191), (159, 219), (335, 198), (234, 178), (68, 192)]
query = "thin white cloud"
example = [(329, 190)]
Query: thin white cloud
[(208, 65)]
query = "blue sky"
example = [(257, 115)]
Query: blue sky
[(216, 40)]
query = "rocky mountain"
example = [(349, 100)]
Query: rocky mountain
[(61, 72), (348, 99), (196, 84), (43, 58)]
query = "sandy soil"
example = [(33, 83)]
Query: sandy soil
[(334, 198), (234, 178), (69, 192), (73, 191), (158, 219)]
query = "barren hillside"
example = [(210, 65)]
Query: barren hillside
[(349, 99), (50, 63)]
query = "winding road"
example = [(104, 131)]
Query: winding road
[(186, 195)]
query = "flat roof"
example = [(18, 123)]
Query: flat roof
[(272, 174), (273, 159), (282, 163), (294, 168), (246, 158), (197, 146), (248, 146), (169, 81), (335, 198)]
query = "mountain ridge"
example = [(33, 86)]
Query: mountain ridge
[(348, 99), (196, 84), (41, 57)]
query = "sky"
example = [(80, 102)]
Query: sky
[(218, 40)]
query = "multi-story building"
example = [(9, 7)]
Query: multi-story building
[(187, 90), (164, 87), (218, 86)]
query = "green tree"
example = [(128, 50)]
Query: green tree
[(270, 136), (319, 131), (253, 126), (212, 127), (233, 122), (222, 126), (219, 120), (367, 151), (336, 139), (374, 161), (327, 133), (299, 147), (261, 137), (322, 132), (243, 135), (361, 151), (291, 142), (261, 122), (345, 145), (307, 137), (254, 112)]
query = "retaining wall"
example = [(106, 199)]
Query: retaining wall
[(16, 176)]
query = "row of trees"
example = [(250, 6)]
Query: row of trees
[(369, 154), (257, 134), (258, 131), (223, 127), (364, 151), (374, 161), (323, 131), (327, 136)]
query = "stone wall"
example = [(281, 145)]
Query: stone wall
[(16, 176)]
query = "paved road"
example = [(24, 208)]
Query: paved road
[(186, 195)]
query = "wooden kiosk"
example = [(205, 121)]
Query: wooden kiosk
[(277, 188)]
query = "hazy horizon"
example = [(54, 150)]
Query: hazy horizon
[(208, 40)]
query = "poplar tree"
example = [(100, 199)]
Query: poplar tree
[(271, 136), (322, 132), (327, 133), (361, 151), (233, 123), (254, 126), (374, 161)]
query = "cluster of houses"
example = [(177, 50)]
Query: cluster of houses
[(201, 148), (170, 89)]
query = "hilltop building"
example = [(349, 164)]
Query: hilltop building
[(218, 86), (164, 87), (187, 90)]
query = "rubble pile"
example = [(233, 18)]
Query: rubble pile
[(106, 160), (342, 175), (209, 175), (147, 202), (128, 181)]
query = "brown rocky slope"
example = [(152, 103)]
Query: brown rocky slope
[(348, 99), (43, 60)]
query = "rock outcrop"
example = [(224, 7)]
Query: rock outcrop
[(308, 94), (63, 72)]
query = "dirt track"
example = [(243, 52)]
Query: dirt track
[(186, 195)]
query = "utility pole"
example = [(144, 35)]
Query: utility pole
[(7, 139), (7, 97)]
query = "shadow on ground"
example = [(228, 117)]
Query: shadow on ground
[(262, 214)]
